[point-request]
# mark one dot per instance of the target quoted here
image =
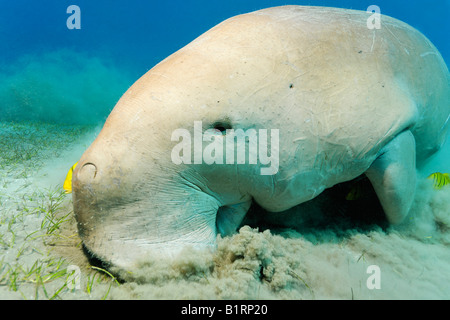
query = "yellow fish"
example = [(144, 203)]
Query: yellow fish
[(439, 179), (68, 182)]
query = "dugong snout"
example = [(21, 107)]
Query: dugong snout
[(123, 217), (84, 190)]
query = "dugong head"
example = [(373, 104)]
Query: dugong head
[(148, 186)]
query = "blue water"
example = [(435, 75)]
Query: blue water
[(50, 73)]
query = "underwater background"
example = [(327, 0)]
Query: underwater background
[(58, 85)]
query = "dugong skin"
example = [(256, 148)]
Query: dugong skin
[(338, 91)]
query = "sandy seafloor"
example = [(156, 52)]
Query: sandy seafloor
[(39, 244)]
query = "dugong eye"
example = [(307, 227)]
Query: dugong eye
[(222, 126)]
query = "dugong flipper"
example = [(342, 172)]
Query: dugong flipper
[(393, 176)]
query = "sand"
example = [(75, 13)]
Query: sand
[(40, 248)]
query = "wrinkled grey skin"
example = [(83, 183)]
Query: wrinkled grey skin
[(347, 100)]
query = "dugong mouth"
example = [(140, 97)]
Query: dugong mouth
[(121, 239), (120, 227)]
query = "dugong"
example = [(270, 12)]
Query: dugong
[(329, 97)]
